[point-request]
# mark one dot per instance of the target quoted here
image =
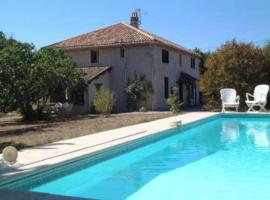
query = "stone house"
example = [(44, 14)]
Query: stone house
[(113, 55)]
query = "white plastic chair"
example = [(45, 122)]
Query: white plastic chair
[(229, 99), (259, 98)]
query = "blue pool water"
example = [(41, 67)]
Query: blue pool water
[(225, 158)]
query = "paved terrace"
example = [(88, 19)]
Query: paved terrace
[(49, 154)]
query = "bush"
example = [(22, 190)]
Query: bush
[(104, 101), (137, 92), (174, 101), (142, 109), (2, 114)]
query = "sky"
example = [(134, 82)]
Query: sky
[(205, 24)]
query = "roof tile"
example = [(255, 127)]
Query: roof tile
[(117, 35), (94, 72)]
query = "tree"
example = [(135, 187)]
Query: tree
[(4, 41), (28, 77), (238, 65), (15, 81), (204, 56), (56, 73), (266, 50)]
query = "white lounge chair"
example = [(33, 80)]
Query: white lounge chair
[(229, 99), (259, 98)]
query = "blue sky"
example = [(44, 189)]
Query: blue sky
[(203, 23)]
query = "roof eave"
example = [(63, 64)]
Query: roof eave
[(102, 46), (99, 74)]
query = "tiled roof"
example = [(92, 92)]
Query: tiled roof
[(117, 35), (94, 72)]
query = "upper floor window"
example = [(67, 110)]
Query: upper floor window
[(122, 52), (165, 56), (180, 60), (192, 62), (94, 56)]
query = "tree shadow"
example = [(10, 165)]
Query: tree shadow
[(18, 146)]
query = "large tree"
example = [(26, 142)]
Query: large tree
[(29, 77), (204, 56), (266, 50), (236, 65)]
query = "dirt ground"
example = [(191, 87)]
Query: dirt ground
[(23, 135)]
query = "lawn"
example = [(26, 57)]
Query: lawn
[(23, 135)]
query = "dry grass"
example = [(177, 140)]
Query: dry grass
[(22, 135)]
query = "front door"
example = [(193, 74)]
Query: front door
[(181, 92)]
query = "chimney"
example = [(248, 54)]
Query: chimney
[(134, 20)]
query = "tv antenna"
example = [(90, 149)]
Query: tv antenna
[(140, 13)]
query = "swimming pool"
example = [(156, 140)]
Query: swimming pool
[(223, 157)]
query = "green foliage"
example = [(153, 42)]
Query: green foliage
[(137, 92), (4, 42), (266, 50), (238, 65), (204, 56), (28, 77), (104, 101), (174, 101), (57, 73), (16, 83)]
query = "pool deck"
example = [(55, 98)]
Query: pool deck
[(54, 153)]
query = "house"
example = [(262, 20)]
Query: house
[(113, 55)]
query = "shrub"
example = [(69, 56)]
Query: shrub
[(137, 92), (104, 101), (142, 109), (174, 101)]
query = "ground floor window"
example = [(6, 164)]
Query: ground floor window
[(191, 94), (181, 92), (166, 87)]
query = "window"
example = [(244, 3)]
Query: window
[(166, 88), (192, 62), (94, 56), (180, 60), (98, 86), (165, 56), (122, 52)]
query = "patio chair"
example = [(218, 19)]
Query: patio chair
[(229, 99), (259, 98)]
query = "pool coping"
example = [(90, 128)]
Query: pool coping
[(57, 152)]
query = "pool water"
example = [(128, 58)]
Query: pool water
[(227, 157)]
